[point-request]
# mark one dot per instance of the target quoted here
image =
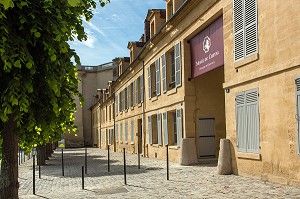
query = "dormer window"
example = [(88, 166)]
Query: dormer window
[(120, 69), (131, 56), (170, 9), (152, 30)]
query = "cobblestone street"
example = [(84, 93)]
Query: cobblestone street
[(150, 181)]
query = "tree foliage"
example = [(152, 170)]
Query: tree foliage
[(38, 82)]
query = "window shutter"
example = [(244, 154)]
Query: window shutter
[(133, 93), (142, 87), (241, 121), (164, 72), (129, 96), (119, 102), (238, 20), (121, 132), (116, 104), (149, 82), (126, 131), (132, 131), (157, 78), (297, 82), (159, 129), (165, 128), (179, 126), (136, 91), (252, 121), (116, 134), (150, 129), (251, 27), (177, 54), (123, 100)]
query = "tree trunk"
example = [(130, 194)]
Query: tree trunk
[(41, 158), (9, 184)]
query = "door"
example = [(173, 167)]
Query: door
[(140, 134), (206, 139)]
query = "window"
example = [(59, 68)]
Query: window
[(126, 98), (159, 136), (245, 28), (297, 82), (152, 128), (136, 91), (109, 112), (116, 130), (152, 29), (154, 79), (142, 88), (123, 100), (132, 131), (121, 131), (129, 94), (247, 121), (120, 69), (170, 10), (116, 104), (165, 128), (171, 68)]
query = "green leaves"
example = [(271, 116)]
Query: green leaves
[(7, 3), (74, 2)]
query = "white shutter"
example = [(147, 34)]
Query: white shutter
[(179, 126), (116, 134), (136, 91), (133, 93), (164, 72), (121, 132), (159, 136), (238, 21), (241, 122), (252, 114), (177, 53), (149, 82), (150, 129), (119, 102), (129, 96), (157, 76), (165, 128), (297, 82), (116, 104), (132, 132), (251, 27), (142, 87), (126, 131)]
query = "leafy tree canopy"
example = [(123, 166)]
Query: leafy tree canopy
[(38, 82)]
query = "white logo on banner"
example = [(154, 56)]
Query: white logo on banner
[(206, 44)]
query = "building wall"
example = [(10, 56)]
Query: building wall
[(273, 71)]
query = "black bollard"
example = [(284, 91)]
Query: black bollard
[(33, 175), (85, 160), (108, 166), (62, 162), (39, 154), (167, 148), (124, 166), (82, 176), (139, 158), (19, 157)]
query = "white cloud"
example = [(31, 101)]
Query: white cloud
[(96, 28)]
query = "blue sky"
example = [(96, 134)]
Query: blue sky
[(111, 28)]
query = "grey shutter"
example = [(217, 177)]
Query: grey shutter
[(297, 82), (123, 100), (241, 121), (116, 134), (150, 129), (133, 93), (179, 126), (142, 87), (157, 76), (129, 96), (251, 46), (132, 131), (159, 129), (121, 132), (136, 91), (164, 72), (177, 53), (165, 128), (126, 131), (149, 82), (119, 102), (252, 121), (238, 21)]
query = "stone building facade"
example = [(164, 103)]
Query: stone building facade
[(211, 69)]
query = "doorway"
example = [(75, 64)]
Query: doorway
[(206, 137)]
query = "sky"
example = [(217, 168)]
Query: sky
[(111, 28)]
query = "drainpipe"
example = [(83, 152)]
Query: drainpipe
[(144, 116)]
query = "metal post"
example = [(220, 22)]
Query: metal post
[(124, 166), (82, 176), (108, 166), (167, 148), (19, 157), (62, 162), (139, 158), (39, 153), (33, 175), (85, 160)]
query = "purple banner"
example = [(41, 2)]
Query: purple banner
[(207, 49)]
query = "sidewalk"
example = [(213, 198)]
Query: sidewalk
[(148, 182)]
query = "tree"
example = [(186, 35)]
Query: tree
[(38, 81)]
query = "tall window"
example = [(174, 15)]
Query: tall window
[(247, 121), (245, 28)]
